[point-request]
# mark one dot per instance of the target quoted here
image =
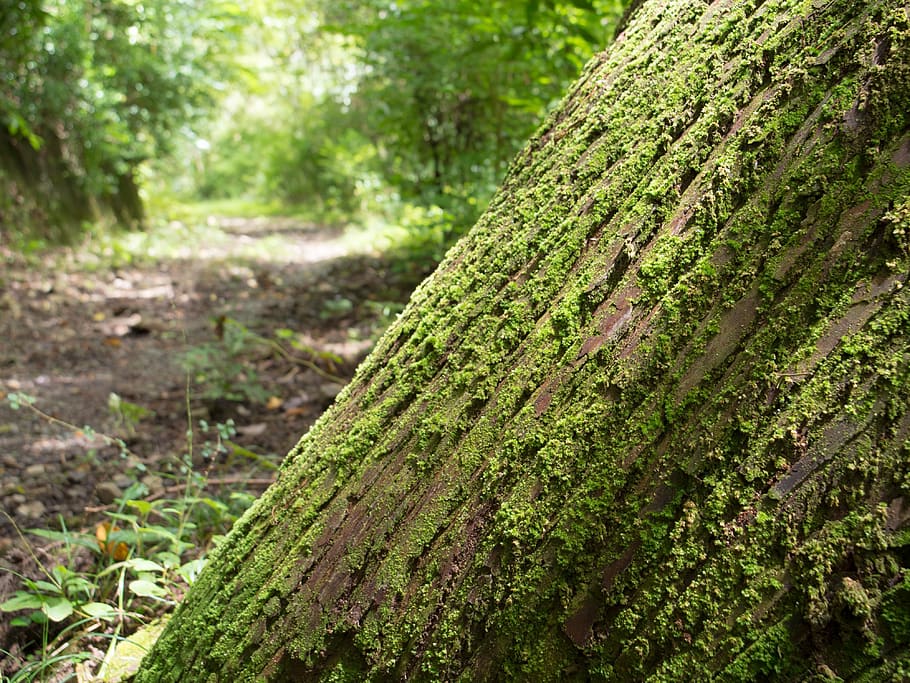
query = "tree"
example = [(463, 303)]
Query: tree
[(93, 88), (648, 420), (449, 90), (422, 102)]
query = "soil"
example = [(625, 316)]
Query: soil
[(269, 342)]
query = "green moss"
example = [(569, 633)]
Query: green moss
[(648, 419)]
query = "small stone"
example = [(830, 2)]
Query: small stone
[(77, 476), (11, 489), (32, 510), (153, 482), (35, 470), (108, 492), (17, 499), (124, 481)]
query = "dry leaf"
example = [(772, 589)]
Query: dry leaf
[(274, 403), (119, 551)]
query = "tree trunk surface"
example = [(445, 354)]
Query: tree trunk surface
[(648, 420)]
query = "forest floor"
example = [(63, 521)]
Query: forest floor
[(254, 324)]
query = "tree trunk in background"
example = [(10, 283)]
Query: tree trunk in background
[(648, 420)]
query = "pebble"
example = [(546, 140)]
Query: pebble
[(11, 488), (124, 481), (33, 510), (153, 482), (108, 492), (76, 476), (36, 470)]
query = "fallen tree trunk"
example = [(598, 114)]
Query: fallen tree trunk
[(648, 420)]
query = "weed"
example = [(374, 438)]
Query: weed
[(221, 369), (126, 415), (224, 368), (128, 569)]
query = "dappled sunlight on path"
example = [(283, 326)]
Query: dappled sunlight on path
[(276, 240)]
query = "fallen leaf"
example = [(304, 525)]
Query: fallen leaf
[(274, 403), (113, 342), (119, 551), (127, 654)]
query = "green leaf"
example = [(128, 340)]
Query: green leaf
[(61, 574), (168, 559), (142, 506), (215, 505), (57, 608), (67, 537), (191, 570), (121, 516), (79, 583), (46, 587), (147, 589), (140, 564), (99, 610), (22, 601)]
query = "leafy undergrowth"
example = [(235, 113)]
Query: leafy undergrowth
[(150, 384), (94, 589)]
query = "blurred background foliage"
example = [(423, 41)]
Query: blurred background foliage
[(93, 89), (409, 109)]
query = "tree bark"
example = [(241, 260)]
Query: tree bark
[(648, 420)]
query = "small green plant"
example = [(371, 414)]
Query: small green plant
[(145, 555), (127, 416), (225, 368), (127, 569)]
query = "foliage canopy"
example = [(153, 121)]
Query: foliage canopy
[(91, 88)]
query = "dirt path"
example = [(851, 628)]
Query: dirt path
[(79, 339)]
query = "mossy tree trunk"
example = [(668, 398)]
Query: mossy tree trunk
[(649, 419)]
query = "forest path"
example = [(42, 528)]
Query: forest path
[(79, 335)]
